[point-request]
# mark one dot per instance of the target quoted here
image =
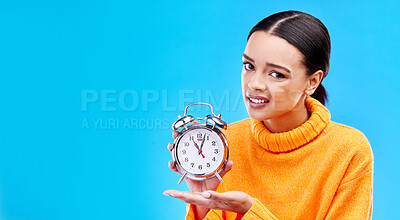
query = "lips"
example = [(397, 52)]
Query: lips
[(257, 101)]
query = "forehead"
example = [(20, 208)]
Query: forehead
[(263, 47)]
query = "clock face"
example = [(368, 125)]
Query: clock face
[(200, 151)]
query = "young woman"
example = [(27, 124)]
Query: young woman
[(289, 160)]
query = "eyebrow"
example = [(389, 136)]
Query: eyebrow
[(268, 64)]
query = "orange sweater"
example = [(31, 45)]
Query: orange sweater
[(319, 170)]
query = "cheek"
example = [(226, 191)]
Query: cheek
[(287, 94), (278, 90), (244, 88), (245, 81)]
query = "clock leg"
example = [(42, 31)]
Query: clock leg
[(219, 177), (183, 177)]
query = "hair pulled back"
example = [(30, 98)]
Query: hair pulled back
[(308, 34)]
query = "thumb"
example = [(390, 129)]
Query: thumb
[(227, 168), (209, 194)]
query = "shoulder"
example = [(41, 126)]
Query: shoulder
[(238, 131), (354, 146), (349, 136), (238, 127), (240, 124)]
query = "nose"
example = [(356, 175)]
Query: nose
[(257, 82)]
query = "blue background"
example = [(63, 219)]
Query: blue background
[(59, 57)]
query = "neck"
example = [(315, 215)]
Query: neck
[(290, 120)]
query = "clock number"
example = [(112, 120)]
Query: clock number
[(186, 159), (208, 137), (186, 144), (191, 138), (213, 159), (192, 164), (200, 167), (214, 143), (184, 152), (199, 135), (208, 165), (215, 151)]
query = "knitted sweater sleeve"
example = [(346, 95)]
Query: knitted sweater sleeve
[(257, 212), (353, 198)]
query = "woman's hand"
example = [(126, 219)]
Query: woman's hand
[(199, 186), (233, 201)]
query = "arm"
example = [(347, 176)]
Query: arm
[(353, 198), (253, 209), (257, 211)]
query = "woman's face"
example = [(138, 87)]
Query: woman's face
[(274, 79)]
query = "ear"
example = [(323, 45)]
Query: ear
[(313, 82)]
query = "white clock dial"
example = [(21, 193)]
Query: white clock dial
[(200, 151)]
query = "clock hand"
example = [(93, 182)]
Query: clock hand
[(200, 152), (195, 145), (202, 142)]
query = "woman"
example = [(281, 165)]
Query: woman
[(289, 160)]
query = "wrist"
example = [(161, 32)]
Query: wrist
[(200, 211), (247, 205)]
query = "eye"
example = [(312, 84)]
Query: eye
[(248, 66), (277, 75)]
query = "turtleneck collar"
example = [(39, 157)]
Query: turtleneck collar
[(297, 137)]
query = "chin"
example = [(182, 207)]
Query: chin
[(258, 115)]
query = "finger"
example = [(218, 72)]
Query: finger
[(209, 194), (171, 192), (236, 201), (189, 197), (171, 146), (227, 168), (172, 166), (175, 134)]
